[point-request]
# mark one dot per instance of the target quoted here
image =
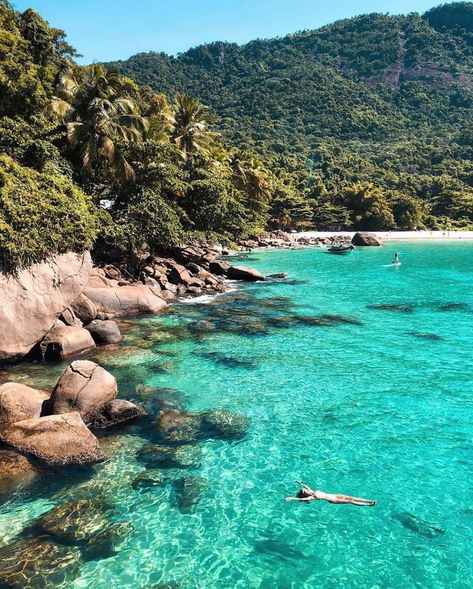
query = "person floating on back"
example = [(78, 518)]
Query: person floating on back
[(306, 494)]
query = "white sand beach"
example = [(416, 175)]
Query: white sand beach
[(400, 235)]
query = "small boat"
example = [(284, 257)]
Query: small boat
[(341, 248)]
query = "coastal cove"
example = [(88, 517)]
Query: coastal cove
[(356, 378)]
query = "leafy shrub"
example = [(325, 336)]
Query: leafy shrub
[(40, 215)]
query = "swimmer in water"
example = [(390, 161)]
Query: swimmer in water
[(396, 258), (307, 494)]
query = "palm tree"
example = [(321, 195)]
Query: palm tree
[(160, 117), (190, 132), (99, 115), (251, 177)]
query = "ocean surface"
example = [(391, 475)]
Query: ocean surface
[(357, 379)]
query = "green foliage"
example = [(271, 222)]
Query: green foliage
[(368, 207), (40, 214), (361, 100)]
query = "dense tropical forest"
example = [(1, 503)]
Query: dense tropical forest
[(365, 123)]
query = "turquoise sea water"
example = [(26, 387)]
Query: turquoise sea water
[(379, 407)]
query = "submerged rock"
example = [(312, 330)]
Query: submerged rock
[(178, 427), (18, 402), (399, 307), (148, 479), (223, 424), (16, 472), (455, 307), (419, 525), (114, 413), (37, 564), (84, 386), (229, 361), (188, 491), (328, 320), (72, 523), (186, 456), (56, 439), (429, 336)]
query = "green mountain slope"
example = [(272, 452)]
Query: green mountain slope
[(385, 99)]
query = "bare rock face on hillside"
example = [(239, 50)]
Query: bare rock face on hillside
[(55, 439), (34, 298), (84, 386)]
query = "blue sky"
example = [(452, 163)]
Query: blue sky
[(105, 30)]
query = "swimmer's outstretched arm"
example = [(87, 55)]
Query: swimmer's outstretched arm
[(304, 486)]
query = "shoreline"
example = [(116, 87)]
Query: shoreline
[(389, 236)]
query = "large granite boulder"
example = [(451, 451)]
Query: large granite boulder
[(16, 471), (18, 402), (84, 387), (244, 273), (65, 341), (84, 309), (55, 439), (115, 413), (126, 300), (180, 275), (37, 564), (34, 298), (364, 238), (219, 267), (104, 332)]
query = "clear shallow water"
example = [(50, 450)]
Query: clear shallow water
[(375, 409)]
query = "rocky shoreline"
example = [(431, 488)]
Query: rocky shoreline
[(56, 427)]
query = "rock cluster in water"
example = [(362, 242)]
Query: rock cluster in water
[(54, 428)]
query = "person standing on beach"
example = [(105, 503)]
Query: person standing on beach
[(307, 494)]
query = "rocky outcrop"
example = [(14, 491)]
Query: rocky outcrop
[(18, 402), (219, 267), (65, 341), (84, 387), (55, 439), (364, 238), (16, 471), (117, 301), (35, 298), (115, 413), (84, 309), (245, 273), (104, 332)]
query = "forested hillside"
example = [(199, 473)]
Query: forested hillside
[(372, 112), (363, 124)]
